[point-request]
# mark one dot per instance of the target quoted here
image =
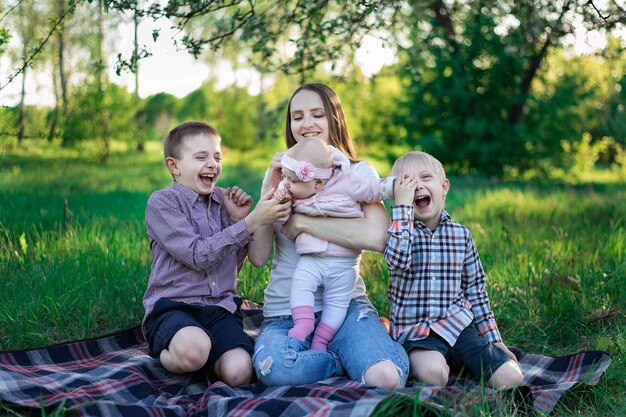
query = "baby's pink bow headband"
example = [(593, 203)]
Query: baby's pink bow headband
[(305, 171)]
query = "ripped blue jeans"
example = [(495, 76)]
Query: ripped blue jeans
[(361, 342)]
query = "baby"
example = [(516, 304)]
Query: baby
[(316, 178)]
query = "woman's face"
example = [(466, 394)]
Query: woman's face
[(308, 116)]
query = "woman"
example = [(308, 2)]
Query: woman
[(362, 348)]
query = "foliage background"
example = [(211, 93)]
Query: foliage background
[(489, 87)]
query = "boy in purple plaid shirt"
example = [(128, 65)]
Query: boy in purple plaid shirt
[(199, 235), (440, 309)]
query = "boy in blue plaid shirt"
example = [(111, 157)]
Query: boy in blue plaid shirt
[(440, 309)]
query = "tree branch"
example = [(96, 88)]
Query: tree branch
[(605, 18), (42, 43), (196, 46), (10, 10), (515, 116), (207, 8), (610, 21)]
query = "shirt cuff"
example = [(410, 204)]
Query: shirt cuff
[(401, 212), (240, 233), (491, 334)]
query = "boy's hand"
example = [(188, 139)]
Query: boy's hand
[(506, 350), (404, 189), (237, 203), (268, 211)]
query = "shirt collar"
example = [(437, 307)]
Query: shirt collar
[(443, 218), (191, 197)]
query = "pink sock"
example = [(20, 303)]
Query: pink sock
[(322, 337), (303, 322)]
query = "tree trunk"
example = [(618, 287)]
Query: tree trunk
[(443, 18), (102, 85), (553, 33), (57, 101), (516, 114), (262, 110), (139, 118), (21, 121), (61, 36)]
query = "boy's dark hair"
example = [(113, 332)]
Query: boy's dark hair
[(173, 141)]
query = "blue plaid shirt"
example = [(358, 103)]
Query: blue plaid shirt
[(436, 280)]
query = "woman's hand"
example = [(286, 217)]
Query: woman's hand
[(292, 227), (369, 232), (274, 174)]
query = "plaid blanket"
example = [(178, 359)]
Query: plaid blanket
[(114, 376)]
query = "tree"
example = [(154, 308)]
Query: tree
[(59, 67), (199, 104), (27, 26), (574, 91), (614, 111), (469, 65), (470, 71), (38, 46), (317, 31), (469, 68), (84, 121), (102, 84), (139, 115)]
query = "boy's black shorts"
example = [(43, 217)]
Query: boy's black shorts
[(471, 352), (225, 329)]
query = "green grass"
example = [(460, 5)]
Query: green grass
[(74, 257)]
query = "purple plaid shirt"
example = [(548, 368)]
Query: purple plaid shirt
[(436, 280), (196, 251)]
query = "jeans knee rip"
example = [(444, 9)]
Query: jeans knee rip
[(400, 372), (362, 314), (266, 365), (398, 369)]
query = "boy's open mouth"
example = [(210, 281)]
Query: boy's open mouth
[(207, 179), (422, 201)]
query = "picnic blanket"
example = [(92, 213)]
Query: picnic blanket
[(113, 375)]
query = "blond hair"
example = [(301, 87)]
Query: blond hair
[(410, 160)]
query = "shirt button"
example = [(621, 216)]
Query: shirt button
[(432, 301), (433, 278), (432, 258), (213, 283)]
